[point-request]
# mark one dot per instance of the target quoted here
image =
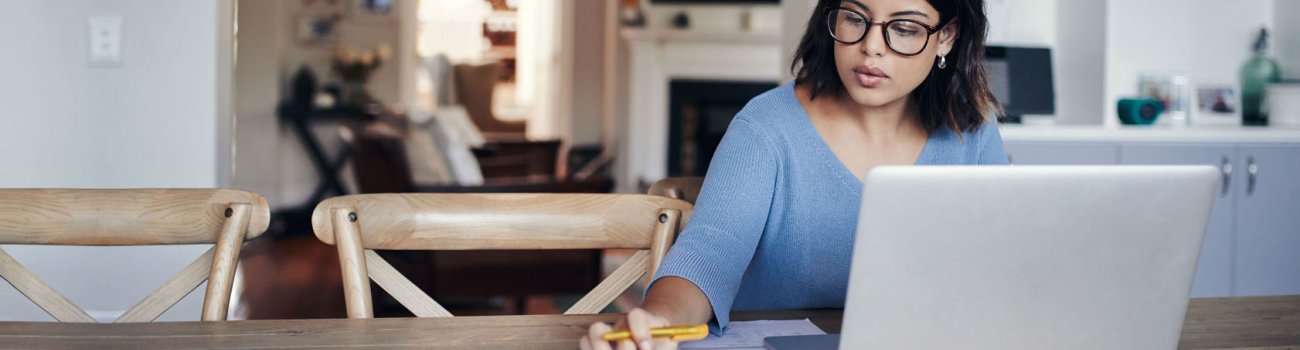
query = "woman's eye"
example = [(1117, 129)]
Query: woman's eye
[(903, 31), (854, 21)]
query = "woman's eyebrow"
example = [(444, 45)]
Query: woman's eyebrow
[(910, 13), (855, 2), (895, 14)]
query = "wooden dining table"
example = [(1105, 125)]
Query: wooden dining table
[(1255, 323)]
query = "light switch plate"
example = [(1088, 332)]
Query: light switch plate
[(105, 40)]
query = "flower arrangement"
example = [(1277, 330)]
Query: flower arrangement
[(354, 66)]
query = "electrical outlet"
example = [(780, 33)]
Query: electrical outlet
[(105, 40)]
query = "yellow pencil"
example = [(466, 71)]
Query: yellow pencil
[(678, 334)]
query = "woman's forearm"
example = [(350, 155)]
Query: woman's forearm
[(678, 300)]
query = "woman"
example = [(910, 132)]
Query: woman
[(878, 82)]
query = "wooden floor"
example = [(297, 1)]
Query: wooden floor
[(299, 266)]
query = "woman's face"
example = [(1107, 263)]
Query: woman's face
[(872, 73)]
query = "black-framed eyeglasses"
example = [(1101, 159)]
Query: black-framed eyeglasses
[(901, 35)]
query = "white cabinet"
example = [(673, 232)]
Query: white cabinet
[(1268, 220), (1214, 272), (1252, 243), (1062, 153)]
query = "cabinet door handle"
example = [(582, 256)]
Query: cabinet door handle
[(1226, 167), (1251, 173)]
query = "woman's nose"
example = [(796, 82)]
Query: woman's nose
[(874, 43)]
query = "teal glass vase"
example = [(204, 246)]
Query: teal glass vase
[(1260, 71)]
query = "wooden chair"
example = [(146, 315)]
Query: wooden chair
[(133, 217), (683, 188), (439, 221)]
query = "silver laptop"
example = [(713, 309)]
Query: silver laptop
[(1023, 258)]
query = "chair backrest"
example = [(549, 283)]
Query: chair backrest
[(683, 188), (441, 221), (133, 217)]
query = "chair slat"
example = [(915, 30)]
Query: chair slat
[(612, 286), (170, 292), (402, 289), (439, 221), (499, 221), (40, 293)]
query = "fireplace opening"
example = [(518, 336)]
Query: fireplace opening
[(699, 113)]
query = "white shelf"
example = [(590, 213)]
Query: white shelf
[(1191, 134)]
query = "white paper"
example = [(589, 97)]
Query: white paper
[(746, 335)]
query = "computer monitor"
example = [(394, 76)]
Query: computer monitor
[(1021, 79)]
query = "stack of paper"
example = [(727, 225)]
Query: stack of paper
[(747, 335)]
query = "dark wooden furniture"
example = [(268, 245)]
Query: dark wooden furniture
[(300, 120), (519, 158), (380, 165), (1255, 323)]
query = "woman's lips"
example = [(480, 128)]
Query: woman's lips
[(870, 77)]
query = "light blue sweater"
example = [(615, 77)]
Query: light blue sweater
[(773, 226)]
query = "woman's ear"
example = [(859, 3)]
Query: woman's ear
[(948, 36)]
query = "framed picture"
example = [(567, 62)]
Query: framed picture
[(373, 12), (1216, 104), (1173, 91), (317, 29), (317, 23)]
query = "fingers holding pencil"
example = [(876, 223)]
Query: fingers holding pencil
[(636, 334)]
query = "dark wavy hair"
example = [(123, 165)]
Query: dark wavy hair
[(957, 97)]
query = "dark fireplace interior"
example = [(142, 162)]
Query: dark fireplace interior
[(699, 113)]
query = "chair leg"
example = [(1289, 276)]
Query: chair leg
[(352, 260), (221, 277)]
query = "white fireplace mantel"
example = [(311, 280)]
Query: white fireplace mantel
[(659, 56)]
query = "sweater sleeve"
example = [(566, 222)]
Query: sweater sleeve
[(991, 151), (730, 214)]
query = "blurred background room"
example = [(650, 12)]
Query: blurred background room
[(302, 100)]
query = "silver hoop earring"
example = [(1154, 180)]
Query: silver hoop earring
[(943, 61)]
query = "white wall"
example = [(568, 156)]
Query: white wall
[(149, 123), (589, 76), (1286, 36), (1022, 22), (1079, 61), (794, 22), (544, 67), (1206, 40), (258, 78)]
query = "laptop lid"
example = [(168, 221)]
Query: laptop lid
[(1025, 257)]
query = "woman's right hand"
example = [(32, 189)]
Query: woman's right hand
[(639, 322)]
